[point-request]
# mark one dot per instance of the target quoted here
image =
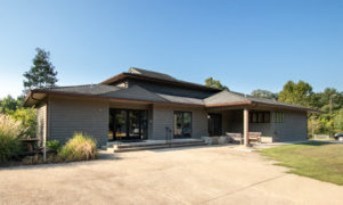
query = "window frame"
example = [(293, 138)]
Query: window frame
[(260, 117)]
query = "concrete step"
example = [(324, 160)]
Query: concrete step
[(128, 148)]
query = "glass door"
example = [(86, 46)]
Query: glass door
[(127, 124), (182, 124), (215, 124), (134, 124)]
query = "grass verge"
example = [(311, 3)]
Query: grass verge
[(318, 160)]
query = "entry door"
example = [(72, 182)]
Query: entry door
[(128, 124), (215, 124)]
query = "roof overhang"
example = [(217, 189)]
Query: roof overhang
[(35, 97), (258, 106)]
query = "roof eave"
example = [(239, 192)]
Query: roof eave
[(288, 107), (237, 103), (65, 94)]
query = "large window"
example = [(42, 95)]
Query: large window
[(259, 117), (182, 124), (127, 124)]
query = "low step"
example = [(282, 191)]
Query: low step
[(158, 146), (127, 145)]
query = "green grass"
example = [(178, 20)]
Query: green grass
[(318, 160)]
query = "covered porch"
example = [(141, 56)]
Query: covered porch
[(242, 124)]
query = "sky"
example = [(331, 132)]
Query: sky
[(247, 45)]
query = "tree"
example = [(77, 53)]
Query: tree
[(42, 74), (338, 121), (210, 82), (8, 105), (296, 93), (264, 94), (329, 100)]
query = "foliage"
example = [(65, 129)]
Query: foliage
[(329, 102), (210, 82), (42, 74), (338, 121), (10, 132), (264, 94), (28, 118), (296, 93), (8, 105), (54, 145), (318, 160), (79, 147)]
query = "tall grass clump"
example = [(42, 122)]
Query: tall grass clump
[(10, 133), (79, 147)]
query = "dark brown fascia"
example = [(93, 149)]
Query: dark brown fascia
[(237, 103), (122, 76), (250, 104), (288, 107), (65, 94)]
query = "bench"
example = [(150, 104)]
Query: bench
[(235, 137), (255, 136)]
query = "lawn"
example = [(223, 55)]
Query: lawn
[(318, 160)]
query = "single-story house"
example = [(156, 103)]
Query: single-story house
[(141, 104)]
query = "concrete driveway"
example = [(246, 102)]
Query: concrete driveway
[(210, 175)]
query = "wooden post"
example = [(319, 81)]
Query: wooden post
[(246, 127)]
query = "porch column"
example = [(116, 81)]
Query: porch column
[(246, 126)]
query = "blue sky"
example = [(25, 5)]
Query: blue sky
[(244, 44)]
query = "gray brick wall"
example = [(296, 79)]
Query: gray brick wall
[(69, 115)]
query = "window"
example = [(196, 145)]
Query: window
[(279, 117), (259, 117), (182, 124)]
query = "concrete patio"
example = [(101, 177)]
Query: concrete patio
[(203, 175)]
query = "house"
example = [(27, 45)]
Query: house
[(141, 104)]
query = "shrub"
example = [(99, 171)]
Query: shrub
[(79, 147), (28, 118), (54, 145), (10, 132)]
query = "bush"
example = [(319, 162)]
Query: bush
[(10, 132), (28, 118), (54, 145), (79, 147)]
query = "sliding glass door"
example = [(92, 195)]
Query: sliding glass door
[(182, 124), (127, 124)]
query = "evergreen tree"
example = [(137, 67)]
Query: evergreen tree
[(42, 74)]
